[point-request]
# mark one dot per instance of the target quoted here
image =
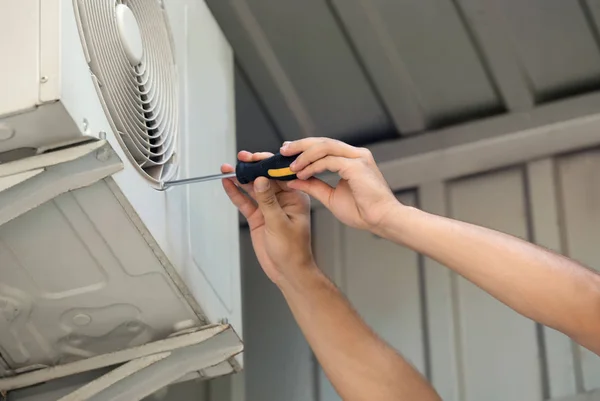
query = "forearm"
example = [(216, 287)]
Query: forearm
[(358, 363), (537, 283)]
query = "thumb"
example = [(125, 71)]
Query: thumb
[(267, 201), (315, 188)]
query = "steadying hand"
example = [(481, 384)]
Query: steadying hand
[(359, 364), (279, 221)]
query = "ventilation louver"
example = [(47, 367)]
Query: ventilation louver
[(131, 55)]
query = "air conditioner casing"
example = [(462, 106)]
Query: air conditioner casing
[(48, 100)]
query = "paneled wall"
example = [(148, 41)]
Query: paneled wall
[(278, 364), (469, 344)]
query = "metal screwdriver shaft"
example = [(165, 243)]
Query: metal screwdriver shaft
[(194, 180), (276, 167)]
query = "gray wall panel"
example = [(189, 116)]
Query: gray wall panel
[(555, 44), (421, 47), (278, 361), (489, 29), (382, 282), (328, 246), (363, 71), (255, 131), (546, 231), (499, 347), (302, 67), (580, 192), (442, 307)]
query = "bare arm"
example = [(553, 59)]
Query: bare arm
[(359, 364), (537, 283), (540, 284)]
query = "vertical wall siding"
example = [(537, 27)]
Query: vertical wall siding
[(382, 281), (278, 363), (470, 345), (579, 184), (499, 348)]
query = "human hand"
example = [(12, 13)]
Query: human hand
[(361, 199), (279, 221)]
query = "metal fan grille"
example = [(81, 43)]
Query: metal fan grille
[(141, 98)]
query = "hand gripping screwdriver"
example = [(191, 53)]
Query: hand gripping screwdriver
[(276, 167)]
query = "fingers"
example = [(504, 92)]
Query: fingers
[(227, 168), (253, 157), (241, 201), (266, 197), (316, 188), (247, 157), (329, 163), (313, 149)]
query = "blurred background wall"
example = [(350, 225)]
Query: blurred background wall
[(486, 111)]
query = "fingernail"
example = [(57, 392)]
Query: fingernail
[(285, 144), (261, 185)]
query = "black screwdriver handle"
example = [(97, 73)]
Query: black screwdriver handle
[(276, 167)]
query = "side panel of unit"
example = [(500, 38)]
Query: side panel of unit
[(31, 115), (19, 70), (79, 280), (196, 227), (205, 60)]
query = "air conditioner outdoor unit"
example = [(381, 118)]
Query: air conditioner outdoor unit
[(100, 102)]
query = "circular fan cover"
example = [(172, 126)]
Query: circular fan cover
[(130, 54)]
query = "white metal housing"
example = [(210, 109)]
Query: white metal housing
[(116, 263)]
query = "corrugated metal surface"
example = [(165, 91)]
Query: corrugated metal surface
[(469, 344), (75, 284), (367, 70)]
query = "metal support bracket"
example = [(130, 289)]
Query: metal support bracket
[(28, 183), (141, 371)]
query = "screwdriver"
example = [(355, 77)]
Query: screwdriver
[(276, 167)]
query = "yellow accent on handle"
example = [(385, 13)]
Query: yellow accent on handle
[(280, 172)]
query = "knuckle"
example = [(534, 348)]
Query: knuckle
[(307, 172), (357, 165), (267, 199), (321, 152), (270, 200), (331, 144), (366, 153)]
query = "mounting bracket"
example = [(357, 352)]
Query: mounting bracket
[(30, 182), (140, 371)]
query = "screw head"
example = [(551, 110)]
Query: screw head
[(44, 79)]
